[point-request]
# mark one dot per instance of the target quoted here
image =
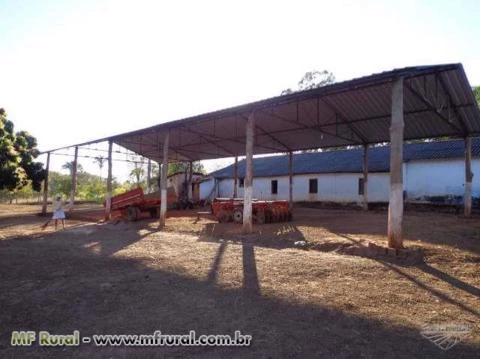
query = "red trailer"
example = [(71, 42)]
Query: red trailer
[(231, 209), (132, 203)]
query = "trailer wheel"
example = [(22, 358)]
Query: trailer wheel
[(223, 216), (268, 216), (154, 212), (260, 217), (238, 215), (274, 215), (290, 216), (133, 213)]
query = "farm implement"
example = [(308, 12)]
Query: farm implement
[(132, 203), (231, 209)]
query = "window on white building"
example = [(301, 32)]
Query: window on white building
[(313, 185), (274, 186), (361, 186)]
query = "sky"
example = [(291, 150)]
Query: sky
[(74, 71)]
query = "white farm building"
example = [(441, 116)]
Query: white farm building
[(431, 171)]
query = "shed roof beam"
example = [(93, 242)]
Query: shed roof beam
[(305, 127), (268, 134), (343, 118), (232, 139), (427, 103), (452, 105), (203, 136), (179, 150)]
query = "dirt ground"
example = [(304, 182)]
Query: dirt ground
[(130, 278)]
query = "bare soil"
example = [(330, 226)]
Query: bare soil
[(197, 274)]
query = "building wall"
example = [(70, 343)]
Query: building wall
[(177, 181), (440, 177), (420, 178), (331, 187), (206, 188)]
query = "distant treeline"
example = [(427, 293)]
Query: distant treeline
[(89, 188)]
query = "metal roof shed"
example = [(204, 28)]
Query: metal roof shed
[(438, 102), (403, 104)]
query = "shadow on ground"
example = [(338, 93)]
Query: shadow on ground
[(435, 229), (58, 283)]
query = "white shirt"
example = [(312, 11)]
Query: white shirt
[(57, 205)]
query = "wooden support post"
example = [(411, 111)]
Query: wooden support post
[(45, 186), (185, 190), (149, 176), (468, 177), (365, 178), (248, 189), (290, 180), (74, 179), (235, 178), (163, 183), (190, 178), (395, 206), (108, 197)]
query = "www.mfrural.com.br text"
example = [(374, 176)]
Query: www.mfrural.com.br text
[(46, 339)]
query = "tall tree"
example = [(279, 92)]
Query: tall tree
[(312, 79), (137, 174), (69, 166), (17, 154), (184, 167), (100, 161), (138, 171)]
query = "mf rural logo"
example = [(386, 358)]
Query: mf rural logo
[(445, 336)]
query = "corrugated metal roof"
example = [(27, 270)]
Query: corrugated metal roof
[(350, 161), (438, 102)]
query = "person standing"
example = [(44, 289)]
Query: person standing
[(58, 213)]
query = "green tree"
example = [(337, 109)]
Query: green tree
[(476, 92), (59, 183), (92, 187), (100, 161), (138, 172), (89, 187), (17, 154), (312, 79), (184, 167), (69, 166)]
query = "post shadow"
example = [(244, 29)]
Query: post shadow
[(250, 275), (435, 272), (457, 283), (213, 273), (175, 303)]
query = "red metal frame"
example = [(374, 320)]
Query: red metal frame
[(263, 211)]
